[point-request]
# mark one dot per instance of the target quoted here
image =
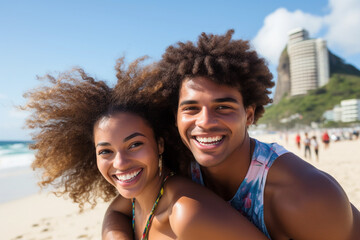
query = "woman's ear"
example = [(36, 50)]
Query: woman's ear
[(160, 143)]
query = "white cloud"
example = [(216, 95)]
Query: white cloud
[(341, 27), (273, 36)]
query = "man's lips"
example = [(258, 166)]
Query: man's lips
[(209, 141)]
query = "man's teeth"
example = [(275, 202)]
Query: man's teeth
[(209, 140), (128, 176)]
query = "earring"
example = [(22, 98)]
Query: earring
[(160, 164)]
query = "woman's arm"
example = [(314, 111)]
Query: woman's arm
[(117, 220), (198, 213)]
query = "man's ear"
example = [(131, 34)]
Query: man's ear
[(160, 143), (250, 114)]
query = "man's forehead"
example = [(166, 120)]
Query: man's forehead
[(205, 84), (194, 85), (198, 83)]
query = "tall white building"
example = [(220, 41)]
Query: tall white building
[(323, 65), (309, 62), (350, 110)]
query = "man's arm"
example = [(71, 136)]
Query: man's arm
[(309, 204), (117, 220), (198, 213)]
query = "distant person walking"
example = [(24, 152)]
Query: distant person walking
[(315, 145), (355, 134), (298, 140), (326, 139), (307, 145)]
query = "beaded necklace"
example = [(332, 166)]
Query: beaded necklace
[(148, 224)]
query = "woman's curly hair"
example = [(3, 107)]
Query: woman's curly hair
[(64, 112), (223, 60)]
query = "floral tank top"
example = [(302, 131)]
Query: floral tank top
[(249, 198)]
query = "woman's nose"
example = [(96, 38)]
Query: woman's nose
[(120, 161)]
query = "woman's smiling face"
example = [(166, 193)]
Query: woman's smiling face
[(127, 152)]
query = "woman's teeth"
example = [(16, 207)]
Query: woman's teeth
[(128, 176)]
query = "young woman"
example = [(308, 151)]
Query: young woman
[(94, 141)]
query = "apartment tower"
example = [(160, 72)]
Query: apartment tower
[(309, 62)]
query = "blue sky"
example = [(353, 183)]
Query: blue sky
[(40, 37)]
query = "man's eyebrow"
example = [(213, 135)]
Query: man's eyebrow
[(132, 136), (218, 100), (226, 99)]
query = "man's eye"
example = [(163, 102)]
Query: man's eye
[(223, 107), (190, 108)]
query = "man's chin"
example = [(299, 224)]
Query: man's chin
[(207, 161)]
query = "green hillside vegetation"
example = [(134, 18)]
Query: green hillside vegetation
[(338, 65), (312, 106)]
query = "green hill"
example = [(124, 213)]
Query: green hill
[(343, 84)]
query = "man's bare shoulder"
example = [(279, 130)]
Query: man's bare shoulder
[(198, 213), (304, 202)]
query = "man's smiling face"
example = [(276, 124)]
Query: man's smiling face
[(212, 120)]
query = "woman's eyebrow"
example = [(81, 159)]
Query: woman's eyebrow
[(102, 144), (132, 136)]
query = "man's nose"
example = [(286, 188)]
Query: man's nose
[(206, 118)]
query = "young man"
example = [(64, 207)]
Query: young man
[(219, 87)]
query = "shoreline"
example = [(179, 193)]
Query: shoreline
[(42, 215), (17, 183)]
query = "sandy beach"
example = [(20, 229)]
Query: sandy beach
[(44, 216), (341, 160)]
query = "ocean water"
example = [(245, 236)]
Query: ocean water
[(17, 179), (15, 154)]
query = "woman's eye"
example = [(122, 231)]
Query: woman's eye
[(136, 144), (104, 151)]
